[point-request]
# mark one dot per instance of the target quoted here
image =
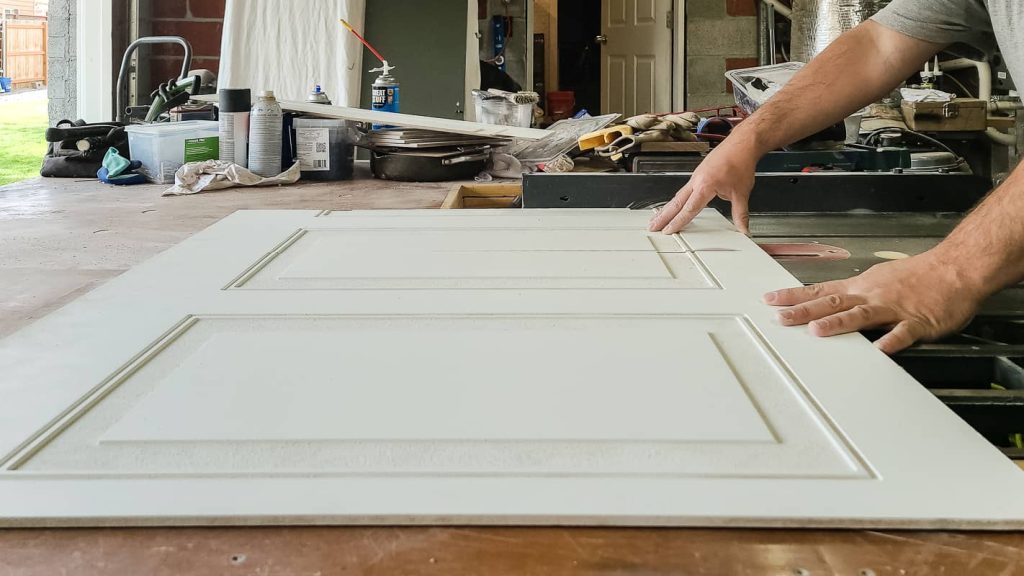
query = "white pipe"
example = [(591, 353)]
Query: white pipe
[(984, 93), (1005, 105), (984, 74), (781, 8)]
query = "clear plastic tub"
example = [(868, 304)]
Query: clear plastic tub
[(161, 147), (752, 87), (501, 111)]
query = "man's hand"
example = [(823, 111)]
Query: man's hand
[(920, 298), (727, 172), (859, 68)]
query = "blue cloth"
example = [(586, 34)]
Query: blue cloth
[(117, 169), (124, 180)]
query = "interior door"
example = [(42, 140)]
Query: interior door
[(471, 366), (636, 56)]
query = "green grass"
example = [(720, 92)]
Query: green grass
[(22, 125)]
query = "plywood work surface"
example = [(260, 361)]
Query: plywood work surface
[(497, 551)]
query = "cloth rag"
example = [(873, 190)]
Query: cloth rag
[(118, 170), (209, 175), (925, 95)]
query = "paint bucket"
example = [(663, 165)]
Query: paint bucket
[(561, 104)]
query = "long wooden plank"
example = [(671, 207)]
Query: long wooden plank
[(410, 120)]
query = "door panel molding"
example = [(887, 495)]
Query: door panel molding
[(210, 385)]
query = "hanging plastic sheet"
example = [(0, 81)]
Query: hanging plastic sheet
[(289, 47)]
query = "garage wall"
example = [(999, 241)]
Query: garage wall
[(60, 60), (720, 35)]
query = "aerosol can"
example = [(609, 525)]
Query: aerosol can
[(384, 92), (318, 96)]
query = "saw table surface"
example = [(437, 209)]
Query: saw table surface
[(61, 238)]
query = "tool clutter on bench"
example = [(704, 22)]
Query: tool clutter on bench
[(80, 149)]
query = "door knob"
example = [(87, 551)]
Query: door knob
[(601, 39)]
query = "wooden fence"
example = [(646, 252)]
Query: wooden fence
[(24, 51)]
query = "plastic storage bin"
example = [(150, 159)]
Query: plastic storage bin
[(497, 110), (752, 87), (324, 148), (162, 147)]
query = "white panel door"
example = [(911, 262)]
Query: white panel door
[(508, 367), (636, 57)]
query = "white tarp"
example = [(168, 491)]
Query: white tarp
[(289, 46)]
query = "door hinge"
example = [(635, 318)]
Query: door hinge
[(669, 20)]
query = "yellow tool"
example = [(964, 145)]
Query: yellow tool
[(603, 137)]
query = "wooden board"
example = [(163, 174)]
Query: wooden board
[(410, 120), (297, 367)]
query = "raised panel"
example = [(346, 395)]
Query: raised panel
[(643, 84), (473, 258), (616, 84), (616, 13), (265, 372), (326, 395), (645, 12)]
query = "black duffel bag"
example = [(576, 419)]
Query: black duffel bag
[(76, 149)]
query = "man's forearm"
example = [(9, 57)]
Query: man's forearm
[(986, 251), (859, 68)]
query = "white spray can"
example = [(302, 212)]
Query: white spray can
[(235, 104), (265, 128)]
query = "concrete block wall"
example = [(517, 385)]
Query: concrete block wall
[(721, 35), (198, 21), (60, 60)]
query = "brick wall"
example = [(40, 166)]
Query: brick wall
[(720, 35), (198, 21)]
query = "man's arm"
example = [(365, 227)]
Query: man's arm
[(926, 296), (859, 68)]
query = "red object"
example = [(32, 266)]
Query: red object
[(561, 104), (363, 40)]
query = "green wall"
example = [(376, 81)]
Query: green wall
[(426, 40)]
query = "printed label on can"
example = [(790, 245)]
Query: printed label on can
[(234, 137), (384, 98), (313, 148)]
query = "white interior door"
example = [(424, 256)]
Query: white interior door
[(636, 57), (478, 366)]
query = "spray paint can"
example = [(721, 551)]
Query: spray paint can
[(318, 96), (384, 92), (266, 125), (234, 107)]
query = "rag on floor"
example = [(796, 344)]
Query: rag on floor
[(118, 170), (196, 177)]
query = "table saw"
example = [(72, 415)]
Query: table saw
[(978, 373)]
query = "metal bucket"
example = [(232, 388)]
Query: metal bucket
[(816, 23)]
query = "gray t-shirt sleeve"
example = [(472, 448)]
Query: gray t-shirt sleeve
[(940, 21)]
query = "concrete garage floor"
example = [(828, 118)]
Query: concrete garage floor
[(60, 238)]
